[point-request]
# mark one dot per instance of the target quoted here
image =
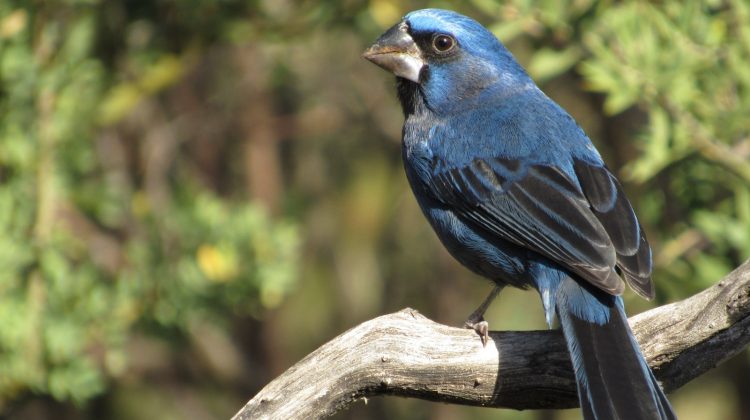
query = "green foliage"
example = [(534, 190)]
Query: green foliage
[(86, 255), (211, 258), (686, 66)]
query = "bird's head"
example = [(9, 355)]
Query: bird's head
[(448, 58)]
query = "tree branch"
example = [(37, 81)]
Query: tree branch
[(408, 355)]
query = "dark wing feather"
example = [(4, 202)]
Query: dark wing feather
[(613, 210), (541, 208)]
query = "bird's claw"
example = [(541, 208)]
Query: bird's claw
[(482, 328)]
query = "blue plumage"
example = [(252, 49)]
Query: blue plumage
[(517, 193)]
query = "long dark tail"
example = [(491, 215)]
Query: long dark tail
[(614, 381)]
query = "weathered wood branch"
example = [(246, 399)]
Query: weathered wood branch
[(408, 355)]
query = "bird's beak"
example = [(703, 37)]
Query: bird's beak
[(397, 52)]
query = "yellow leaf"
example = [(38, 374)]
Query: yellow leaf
[(13, 23), (385, 12), (219, 265)]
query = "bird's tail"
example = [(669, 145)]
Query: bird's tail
[(614, 381)]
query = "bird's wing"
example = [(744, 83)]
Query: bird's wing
[(589, 230)]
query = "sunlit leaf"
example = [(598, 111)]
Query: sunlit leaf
[(548, 63)]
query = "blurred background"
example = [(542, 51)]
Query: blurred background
[(196, 194)]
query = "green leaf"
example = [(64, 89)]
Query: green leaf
[(548, 63)]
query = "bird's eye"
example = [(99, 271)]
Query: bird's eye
[(443, 43)]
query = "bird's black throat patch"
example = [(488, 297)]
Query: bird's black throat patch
[(408, 93)]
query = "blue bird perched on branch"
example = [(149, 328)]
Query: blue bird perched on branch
[(516, 191)]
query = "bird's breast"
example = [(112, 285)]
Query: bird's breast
[(489, 257)]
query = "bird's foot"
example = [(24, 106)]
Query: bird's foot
[(481, 326), (476, 320)]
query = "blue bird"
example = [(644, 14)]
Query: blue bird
[(516, 191)]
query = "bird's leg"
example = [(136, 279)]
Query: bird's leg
[(476, 320)]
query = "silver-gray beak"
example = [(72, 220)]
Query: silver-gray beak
[(397, 52)]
